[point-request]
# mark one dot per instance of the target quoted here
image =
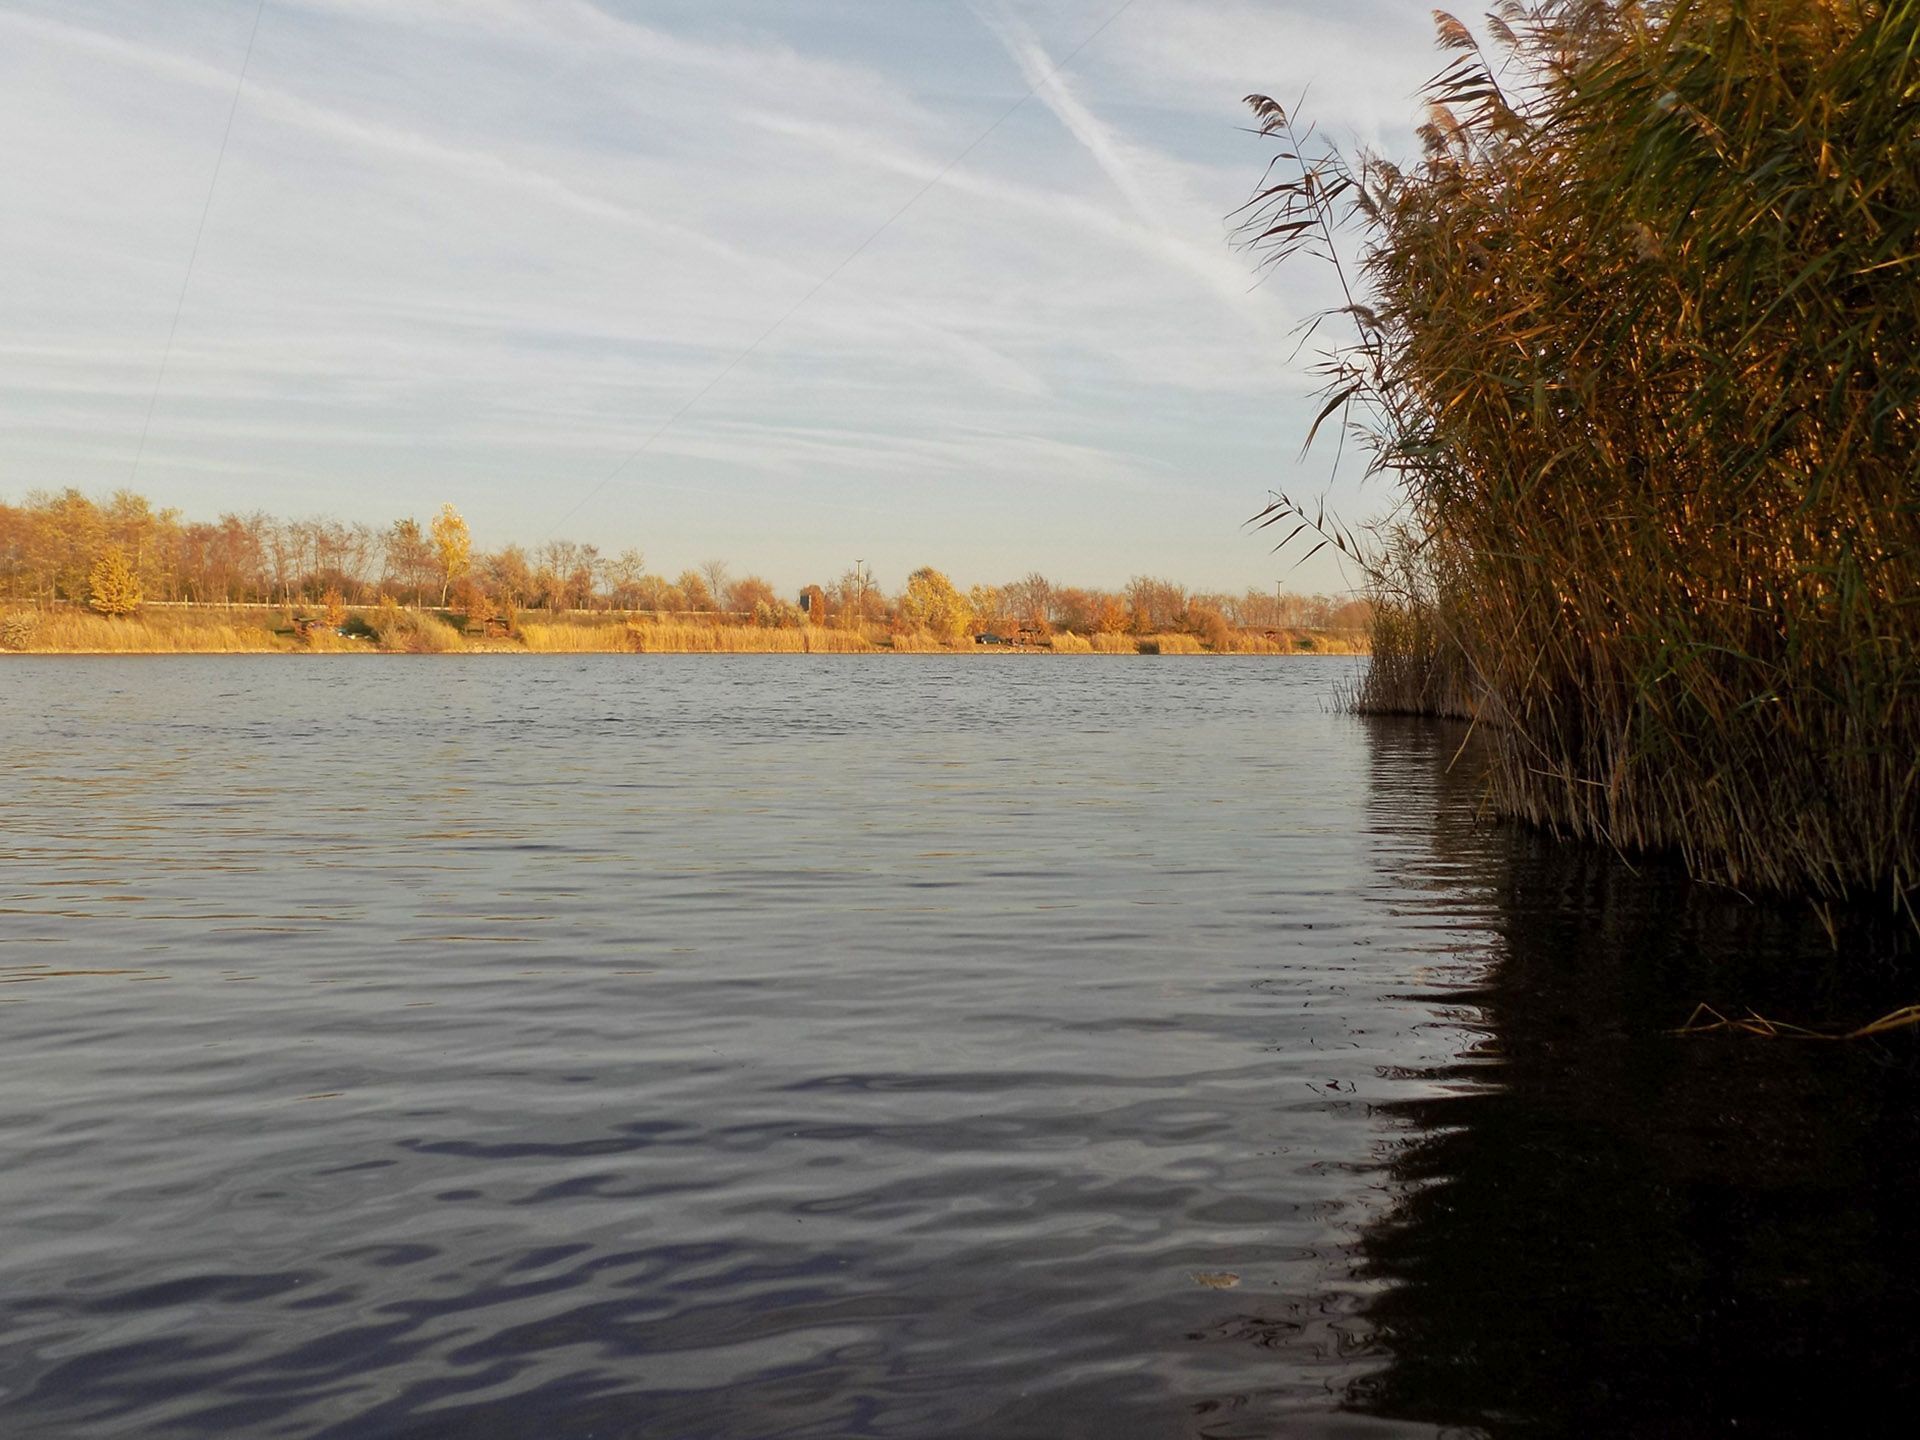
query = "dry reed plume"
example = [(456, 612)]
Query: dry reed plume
[(1641, 337)]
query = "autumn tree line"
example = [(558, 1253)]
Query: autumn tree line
[(117, 554)]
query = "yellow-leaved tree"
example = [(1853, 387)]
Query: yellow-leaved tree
[(114, 585), (931, 603), (452, 548)]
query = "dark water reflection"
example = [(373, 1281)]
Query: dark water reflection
[(1601, 1229), (799, 1046)]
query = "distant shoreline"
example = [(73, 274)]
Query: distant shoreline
[(219, 630), (525, 654)]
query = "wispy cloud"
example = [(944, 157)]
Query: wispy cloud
[(480, 249)]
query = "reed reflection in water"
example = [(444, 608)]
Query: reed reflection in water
[(1601, 1229)]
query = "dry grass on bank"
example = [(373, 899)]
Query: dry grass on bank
[(1169, 645), (1066, 642), (321, 641), (694, 639), (618, 635), (1299, 642), (565, 637), (393, 629), (1283, 642), (919, 642), (64, 631), (411, 632)]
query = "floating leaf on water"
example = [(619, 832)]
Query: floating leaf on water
[(1216, 1279)]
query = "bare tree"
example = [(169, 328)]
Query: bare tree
[(694, 594), (717, 577), (623, 576), (1029, 599)]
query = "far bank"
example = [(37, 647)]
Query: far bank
[(393, 629)]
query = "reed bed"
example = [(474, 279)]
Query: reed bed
[(1418, 668), (1641, 337)]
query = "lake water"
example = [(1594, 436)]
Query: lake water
[(821, 1046)]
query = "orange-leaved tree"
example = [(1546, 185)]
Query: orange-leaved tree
[(114, 585), (452, 548), (931, 603)]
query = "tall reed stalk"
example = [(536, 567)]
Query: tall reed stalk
[(1640, 336)]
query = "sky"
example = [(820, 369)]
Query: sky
[(788, 283)]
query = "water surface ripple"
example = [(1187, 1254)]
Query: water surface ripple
[(830, 1046)]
